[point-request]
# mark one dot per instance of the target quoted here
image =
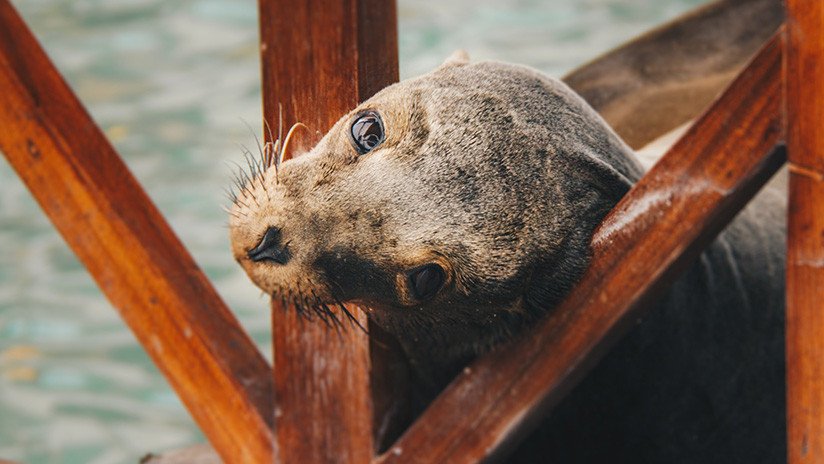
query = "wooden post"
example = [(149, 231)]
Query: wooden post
[(320, 59), (804, 80), (132, 253), (639, 248)]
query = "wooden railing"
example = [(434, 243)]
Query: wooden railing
[(130, 250), (319, 60)]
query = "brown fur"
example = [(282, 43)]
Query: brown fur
[(499, 174), (468, 177)]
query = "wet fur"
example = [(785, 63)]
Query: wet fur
[(500, 174)]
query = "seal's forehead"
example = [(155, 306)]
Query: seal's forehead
[(496, 78), (488, 77), (466, 90)]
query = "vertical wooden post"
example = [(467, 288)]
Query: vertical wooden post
[(804, 80), (320, 59)]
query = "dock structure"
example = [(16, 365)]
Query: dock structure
[(319, 60)]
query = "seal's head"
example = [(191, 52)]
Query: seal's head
[(455, 205)]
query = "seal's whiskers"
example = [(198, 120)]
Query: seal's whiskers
[(270, 153)]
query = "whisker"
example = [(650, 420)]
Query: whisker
[(243, 203), (257, 139), (275, 156), (245, 182), (316, 310), (288, 138), (230, 195), (338, 322), (320, 315), (256, 169), (350, 316), (280, 121), (279, 144), (270, 149), (249, 157), (241, 177), (300, 310), (325, 309), (231, 213), (301, 300), (271, 138)]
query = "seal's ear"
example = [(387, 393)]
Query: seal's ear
[(457, 58), (599, 174)]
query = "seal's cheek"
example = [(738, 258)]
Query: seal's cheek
[(352, 277)]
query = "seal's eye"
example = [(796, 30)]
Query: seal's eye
[(425, 281), (367, 132)]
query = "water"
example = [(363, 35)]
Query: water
[(171, 83)]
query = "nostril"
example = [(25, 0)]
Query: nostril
[(270, 248)]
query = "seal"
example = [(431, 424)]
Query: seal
[(459, 206)]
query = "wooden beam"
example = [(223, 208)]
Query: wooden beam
[(132, 253), (320, 59), (655, 231), (804, 86)]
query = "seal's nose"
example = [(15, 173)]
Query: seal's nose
[(270, 248)]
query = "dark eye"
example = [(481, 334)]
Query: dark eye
[(367, 132), (425, 281)]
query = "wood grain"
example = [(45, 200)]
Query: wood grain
[(653, 233), (669, 75), (804, 81), (319, 60), (132, 253)]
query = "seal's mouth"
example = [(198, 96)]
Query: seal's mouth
[(318, 284)]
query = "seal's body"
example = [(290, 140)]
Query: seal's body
[(459, 207), (701, 378)]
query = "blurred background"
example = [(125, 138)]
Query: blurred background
[(172, 83)]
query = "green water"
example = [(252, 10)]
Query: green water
[(171, 84)]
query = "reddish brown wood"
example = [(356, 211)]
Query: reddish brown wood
[(320, 59), (323, 407), (804, 86), (655, 231), (132, 253)]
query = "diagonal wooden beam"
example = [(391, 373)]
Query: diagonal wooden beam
[(320, 59), (804, 81), (654, 232), (113, 227)]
